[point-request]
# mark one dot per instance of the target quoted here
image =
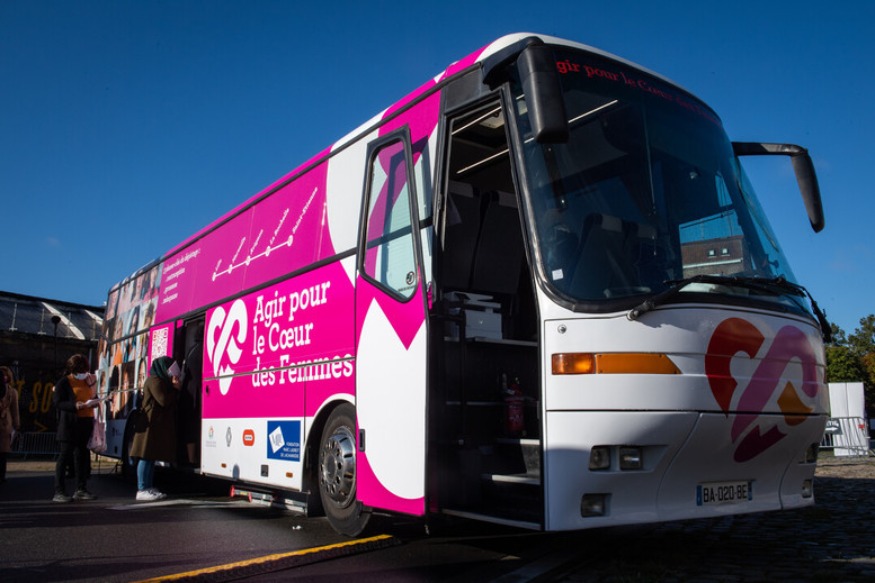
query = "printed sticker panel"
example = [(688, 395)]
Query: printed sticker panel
[(263, 350)]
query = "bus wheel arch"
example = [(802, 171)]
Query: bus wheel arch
[(336, 472)]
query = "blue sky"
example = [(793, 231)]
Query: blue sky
[(126, 126)]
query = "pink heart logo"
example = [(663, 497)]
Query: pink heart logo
[(735, 338)]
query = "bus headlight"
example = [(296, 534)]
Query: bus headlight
[(600, 458), (807, 488), (593, 505), (631, 458)]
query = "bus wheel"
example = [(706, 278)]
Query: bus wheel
[(337, 475)]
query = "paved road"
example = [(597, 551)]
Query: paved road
[(833, 541)]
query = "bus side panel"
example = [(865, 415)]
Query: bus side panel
[(282, 233), (271, 358), (391, 402), (124, 364), (391, 356)]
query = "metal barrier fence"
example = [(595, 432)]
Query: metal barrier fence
[(846, 436), (36, 443)]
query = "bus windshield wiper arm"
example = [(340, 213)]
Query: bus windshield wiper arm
[(781, 284), (774, 286), (675, 286)]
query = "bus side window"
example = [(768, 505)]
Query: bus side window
[(389, 256)]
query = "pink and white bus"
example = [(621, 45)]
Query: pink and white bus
[(538, 291)]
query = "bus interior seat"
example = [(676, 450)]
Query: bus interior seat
[(600, 258), (646, 256), (499, 254), (462, 229)]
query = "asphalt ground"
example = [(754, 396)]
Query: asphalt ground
[(833, 541)]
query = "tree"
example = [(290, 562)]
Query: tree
[(842, 365), (839, 338), (862, 341), (852, 358)]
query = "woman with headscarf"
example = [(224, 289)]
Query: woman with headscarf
[(157, 440)]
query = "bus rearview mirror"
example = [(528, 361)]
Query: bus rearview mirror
[(802, 166), (543, 91)]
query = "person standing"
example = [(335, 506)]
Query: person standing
[(157, 441), (10, 422), (189, 399), (74, 400)]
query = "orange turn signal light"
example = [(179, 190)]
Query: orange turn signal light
[(613, 363), (573, 363)]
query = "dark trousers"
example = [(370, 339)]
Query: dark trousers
[(2, 466), (77, 451)]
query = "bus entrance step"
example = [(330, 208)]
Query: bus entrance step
[(529, 479), (273, 499), (516, 496)]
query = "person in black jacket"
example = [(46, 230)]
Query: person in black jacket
[(157, 441), (74, 400)]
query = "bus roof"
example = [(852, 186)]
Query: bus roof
[(472, 60)]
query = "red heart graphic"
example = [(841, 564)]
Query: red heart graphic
[(734, 336), (730, 337)]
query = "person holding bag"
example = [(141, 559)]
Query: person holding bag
[(74, 400), (97, 443), (157, 440)]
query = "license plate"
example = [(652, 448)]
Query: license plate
[(716, 493)]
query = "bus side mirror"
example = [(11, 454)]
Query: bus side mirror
[(802, 166), (543, 91)]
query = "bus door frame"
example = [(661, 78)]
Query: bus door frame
[(391, 357)]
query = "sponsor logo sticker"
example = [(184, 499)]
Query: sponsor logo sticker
[(284, 440), (248, 437)]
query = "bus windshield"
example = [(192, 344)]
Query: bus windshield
[(645, 194)]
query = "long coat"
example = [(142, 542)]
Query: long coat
[(9, 418), (64, 401), (157, 442)]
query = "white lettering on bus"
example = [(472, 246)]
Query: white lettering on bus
[(279, 339), (267, 311), (262, 378), (315, 295), (320, 369)]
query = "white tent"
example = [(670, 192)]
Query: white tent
[(846, 429)]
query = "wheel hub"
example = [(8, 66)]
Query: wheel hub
[(337, 465)]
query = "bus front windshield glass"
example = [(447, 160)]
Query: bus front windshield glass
[(645, 195)]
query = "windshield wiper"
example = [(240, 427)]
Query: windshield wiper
[(775, 286), (674, 287)]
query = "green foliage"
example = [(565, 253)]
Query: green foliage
[(839, 338), (842, 365), (852, 358), (862, 341)]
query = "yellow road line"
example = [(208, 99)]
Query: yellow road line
[(266, 559)]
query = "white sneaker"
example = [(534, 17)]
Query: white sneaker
[(160, 495), (148, 495)]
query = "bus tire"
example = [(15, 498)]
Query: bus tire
[(337, 474)]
